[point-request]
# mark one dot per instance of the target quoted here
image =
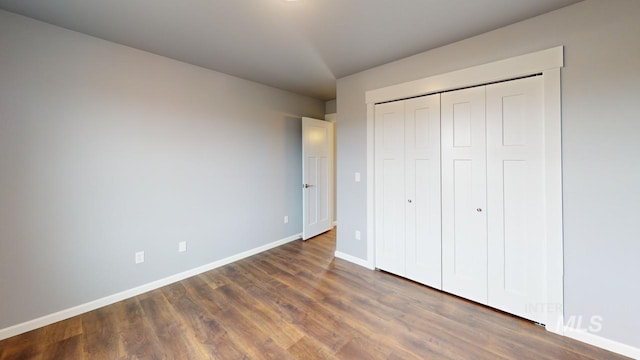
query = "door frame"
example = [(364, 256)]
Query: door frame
[(546, 62), (333, 118)]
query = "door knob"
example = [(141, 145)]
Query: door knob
[(410, 201), (479, 209), (307, 186)]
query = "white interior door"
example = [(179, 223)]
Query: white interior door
[(464, 221), (423, 252), (317, 165), (390, 187), (515, 195)]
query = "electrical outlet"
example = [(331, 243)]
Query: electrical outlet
[(286, 219), (357, 236), (139, 257), (182, 246)]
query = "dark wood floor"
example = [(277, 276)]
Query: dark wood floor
[(295, 302)]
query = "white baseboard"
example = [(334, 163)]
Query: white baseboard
[(353, 259), (604, 343), (111, 299)]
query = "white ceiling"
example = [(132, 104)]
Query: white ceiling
[(297, 46)]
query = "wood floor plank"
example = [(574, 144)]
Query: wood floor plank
[(61, 331), (296, 302), (196, 318), (263, 316), (298, 309), (363, 348), (176, 339), (100, 332), (68, 348), (309, 348), (206, 299), (256, 343), (25, 346), (137, 337)]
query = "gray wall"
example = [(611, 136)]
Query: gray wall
[(106, 150), (601, 144), (330, 107)]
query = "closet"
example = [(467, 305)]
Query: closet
[(459, 193)]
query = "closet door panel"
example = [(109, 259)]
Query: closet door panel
[(390, 187), (515, 194), (464, 228), (422, 169)]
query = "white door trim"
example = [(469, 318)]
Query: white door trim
[(548, 62), (333, 119)]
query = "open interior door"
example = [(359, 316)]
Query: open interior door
[(317, 167)]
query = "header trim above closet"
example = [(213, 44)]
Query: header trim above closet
[(519, 66), (462, 88)]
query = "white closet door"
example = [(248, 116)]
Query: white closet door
[(390, 187), (422, 186), (464, 222), (515, 194)]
